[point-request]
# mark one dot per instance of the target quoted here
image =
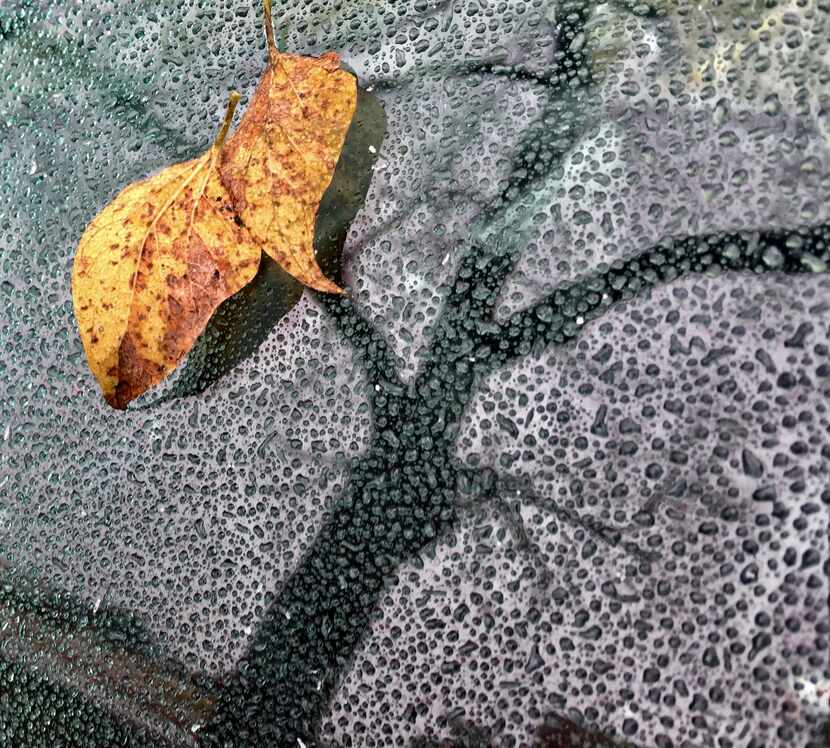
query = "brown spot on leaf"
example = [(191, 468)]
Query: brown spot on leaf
[(301, 105), (135, 374), (150, 322)]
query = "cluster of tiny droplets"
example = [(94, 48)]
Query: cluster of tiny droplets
[(558, 468)]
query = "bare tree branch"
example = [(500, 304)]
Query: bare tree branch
[(508, 493), (560, 316), (404, 492), (368, 343)]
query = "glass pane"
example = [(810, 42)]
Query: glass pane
[(553, 472)]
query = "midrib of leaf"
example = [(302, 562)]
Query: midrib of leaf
[(209, 157)]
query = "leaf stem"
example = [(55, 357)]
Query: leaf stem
[(233, 100), (273, 52)]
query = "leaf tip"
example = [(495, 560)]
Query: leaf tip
[(116, 401), (327, 286)]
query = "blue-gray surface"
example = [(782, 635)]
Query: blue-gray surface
[(552, 462)]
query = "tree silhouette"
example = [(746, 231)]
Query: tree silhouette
[(402, 494), (409, 490)]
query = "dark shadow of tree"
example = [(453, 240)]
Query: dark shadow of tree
[(403, 493)]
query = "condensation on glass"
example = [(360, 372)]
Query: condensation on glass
[(554, 473)]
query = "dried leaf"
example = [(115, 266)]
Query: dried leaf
[(281, 158), (243, 322), (153, 266)]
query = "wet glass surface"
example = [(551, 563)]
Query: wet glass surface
[(554, 473)]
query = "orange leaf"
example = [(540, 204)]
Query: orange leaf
[(151, 269), (281, 159)]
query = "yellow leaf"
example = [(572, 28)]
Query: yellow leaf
[(151, 269), (281, 158)]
